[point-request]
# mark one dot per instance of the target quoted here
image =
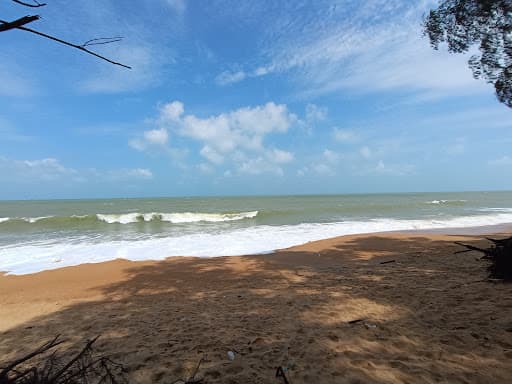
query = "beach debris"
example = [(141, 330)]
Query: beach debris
[(281, 372), (499, 255), (45, 365), (388, 262), (231, 355), (363, 322)]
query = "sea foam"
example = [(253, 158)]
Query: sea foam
[(30, 257)]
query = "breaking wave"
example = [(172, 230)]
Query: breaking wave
[(176, 218), (136, 217)]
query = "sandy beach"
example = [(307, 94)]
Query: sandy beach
[(328, 312)]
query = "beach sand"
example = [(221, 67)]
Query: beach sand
[(430, 316)]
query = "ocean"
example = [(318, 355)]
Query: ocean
[(41, 235)]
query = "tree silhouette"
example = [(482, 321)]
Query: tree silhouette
[(20, 24), (463, 24)]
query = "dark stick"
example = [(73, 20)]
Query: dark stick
[(7, 25), (81, 48), (43, 348), (472, 248), (280, 373), (36, 5), (72, 361)]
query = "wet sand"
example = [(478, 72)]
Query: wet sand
[(327, 311)]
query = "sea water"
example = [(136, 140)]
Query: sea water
[(40, 235)]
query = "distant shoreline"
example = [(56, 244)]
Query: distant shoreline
[(220, 196)]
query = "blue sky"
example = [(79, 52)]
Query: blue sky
[(243, 97)]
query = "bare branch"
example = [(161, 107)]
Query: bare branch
[(35, 5), (102, 40), (43, 348), (80, 47), (7, 25)]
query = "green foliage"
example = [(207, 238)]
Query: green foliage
[(465, 23)]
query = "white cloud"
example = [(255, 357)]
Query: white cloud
[(343, 135), (226, 77), (315, 113), (319, 168), (139, 173), (151, 140), (171, 112), (280, 157), (261, 71), (156, 136), (243, 129), (323, 169), (43, 169), (259, 165), (365, 152), (237, 136), (365, 47), (205, 168), (178, 6), (331, 156), (393, 169), (51, 169), (504, 160), (212, 155)]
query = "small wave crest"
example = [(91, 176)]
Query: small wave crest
[(175, 218), (505, 210), (437, 202), (32, 220)]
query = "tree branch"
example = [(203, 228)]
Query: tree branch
[(80, 47), (7, 25), (35, 5), (102, 40), (43, 348)]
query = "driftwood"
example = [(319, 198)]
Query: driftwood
[(499, 255), (45, 366)]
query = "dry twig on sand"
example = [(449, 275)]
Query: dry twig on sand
[(45, 366), (499, 254)]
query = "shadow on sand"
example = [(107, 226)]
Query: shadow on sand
[(426, 316)]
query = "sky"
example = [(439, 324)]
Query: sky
[(242, 97)]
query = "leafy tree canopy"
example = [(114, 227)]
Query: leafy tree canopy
[(465, 23)]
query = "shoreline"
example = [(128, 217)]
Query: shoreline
[(498, 229), (425, 315)]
